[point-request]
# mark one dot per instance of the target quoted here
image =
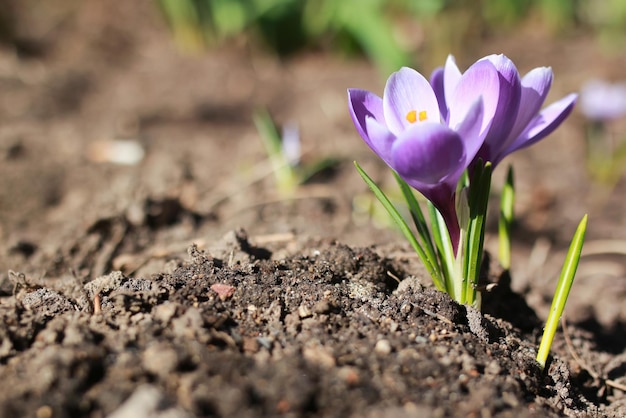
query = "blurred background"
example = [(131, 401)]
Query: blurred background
[(389, 33), (96, 82)]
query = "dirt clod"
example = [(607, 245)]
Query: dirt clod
[(184, 284)]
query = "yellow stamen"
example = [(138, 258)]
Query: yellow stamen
[(413, 116)]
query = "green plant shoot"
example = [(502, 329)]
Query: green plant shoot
[(454, 273), (286, 178), (562, 292), (505, 221), (425, 256)]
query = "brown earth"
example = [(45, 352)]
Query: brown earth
[(185, 285)]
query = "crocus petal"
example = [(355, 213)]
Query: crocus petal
[(362, 104), (436, 81), (428, 154), (379, 139), (543, 124), (451, 77), (408, 91), (480, 80), (508, 101), (366, 110), (535, 87), (469, 130), (431, 158)]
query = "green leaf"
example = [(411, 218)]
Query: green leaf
[(229, 17), (366, 22), (184, 22), (404, 228), (505, 221), (418, 219), (286, 178), (309, 171), (444, 248), (562, 291)]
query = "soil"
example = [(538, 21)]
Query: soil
[(186, 285)]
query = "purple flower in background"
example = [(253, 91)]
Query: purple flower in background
[(602, 101), (512, 105), (406, 129)]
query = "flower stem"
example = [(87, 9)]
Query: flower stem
[(478, 200)]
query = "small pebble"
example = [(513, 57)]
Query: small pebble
[(322, 307), (224, 291), (165, 312), (44, 412), (421, 340), (250, 344), (116, 151), (160, 359), (383, 347), (493, 368), (349, 374), (319, 355), (304, 312), (148, 401)]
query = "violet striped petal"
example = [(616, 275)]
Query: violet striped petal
[(543, 124), (480, 80), (408, 98), (469, 130), (509, 96), (362, 104), (436, 81), (379, 139), (535, 87), (451, 78), (428, 154), (366, 110)]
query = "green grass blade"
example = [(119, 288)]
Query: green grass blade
[(562, 292), (444, 247), (505, 221), (286, 178), (366, 23), (309, 171), (418, 218), (404, 228), (184, 22)]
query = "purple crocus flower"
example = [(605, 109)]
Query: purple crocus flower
[(430, 152), (513, 107), (603, 101)]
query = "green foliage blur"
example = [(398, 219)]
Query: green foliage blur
[(383, 30), (288, 26)]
